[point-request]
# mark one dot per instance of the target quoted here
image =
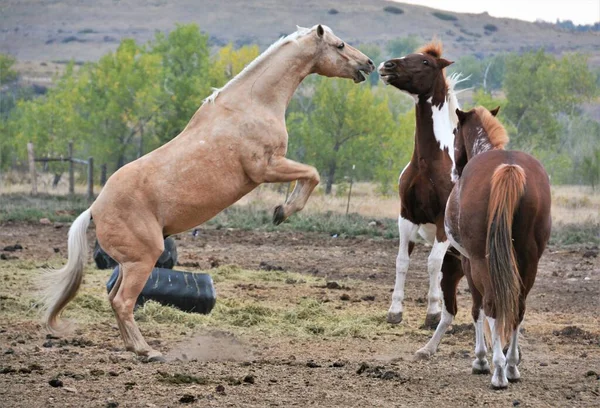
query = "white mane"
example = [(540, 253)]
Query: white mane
[(293, 37), (452, 81)]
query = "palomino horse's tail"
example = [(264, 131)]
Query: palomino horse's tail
[(508, 185), (60, 286)]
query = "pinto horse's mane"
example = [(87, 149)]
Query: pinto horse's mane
[(492, 126), (434, 48)]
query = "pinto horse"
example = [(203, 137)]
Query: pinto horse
[(236, 141), (426, 181), (498, 217)]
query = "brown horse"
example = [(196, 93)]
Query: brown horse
[(426, 182), (498, 217), (236, 140)]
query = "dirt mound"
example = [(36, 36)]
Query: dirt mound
[(216, 346)]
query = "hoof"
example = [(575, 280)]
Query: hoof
[(278, 215), (422, 354), (499, 386), (432, 321), (394, 318), (480, 371)]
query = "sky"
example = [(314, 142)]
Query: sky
[(578, 11)]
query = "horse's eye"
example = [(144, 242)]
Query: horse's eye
[(341, 46), (425, 62)]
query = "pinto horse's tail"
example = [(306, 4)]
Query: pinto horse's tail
[(508, 186), (59, 287)]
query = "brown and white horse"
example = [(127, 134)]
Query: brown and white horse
[(426, 182), (498, 217), (235, 141)]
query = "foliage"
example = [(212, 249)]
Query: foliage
[(400, 47), (374, 52), (344, 126), (393, 10), (540, 89), (444, 16), (7, 73), (487, 73)]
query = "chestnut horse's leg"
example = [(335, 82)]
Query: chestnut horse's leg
[(281, 170), (480, 364), (512, 358), (499, 379), (406, 230), (451, 275)]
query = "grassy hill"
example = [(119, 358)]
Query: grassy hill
[(51, 30)]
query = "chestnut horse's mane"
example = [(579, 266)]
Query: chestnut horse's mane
[(434, 48), (492, 126)]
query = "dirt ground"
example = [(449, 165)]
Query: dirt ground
[(251, 367)]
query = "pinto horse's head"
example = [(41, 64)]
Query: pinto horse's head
[(335, 58), (416, 73)]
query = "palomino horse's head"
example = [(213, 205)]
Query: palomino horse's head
[(335, 58), (478, 131), (418, 73)]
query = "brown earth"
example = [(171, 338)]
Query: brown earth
[(245, 367)]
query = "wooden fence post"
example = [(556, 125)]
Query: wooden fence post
[(71, 170), (103, 174), (90, 186), (31, 155)]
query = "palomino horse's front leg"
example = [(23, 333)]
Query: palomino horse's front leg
[(406, 231), (281, 170)]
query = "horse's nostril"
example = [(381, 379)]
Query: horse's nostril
[(371, 63), (389, 64)]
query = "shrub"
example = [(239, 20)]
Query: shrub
[(444, 16), (490, 27), (332, 11), (393, 10)]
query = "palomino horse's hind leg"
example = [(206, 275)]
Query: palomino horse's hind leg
[(451, 275), (134, 277), (406, 230)]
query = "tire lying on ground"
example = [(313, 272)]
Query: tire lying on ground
[(168, 259), (187, 291)]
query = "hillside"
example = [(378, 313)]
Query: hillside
[(50, 30)]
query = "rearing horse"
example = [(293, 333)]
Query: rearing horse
[(498, 217), (236, 141), (426, 181)]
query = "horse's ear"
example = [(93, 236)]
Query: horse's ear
[(320, 30), (443, 63), (461, 115), (494, 112)]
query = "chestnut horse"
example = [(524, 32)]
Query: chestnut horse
[(426, 181), (236, 141), (498, 217)]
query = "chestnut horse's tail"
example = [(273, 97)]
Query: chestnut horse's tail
[(60, 286), (508, 185)]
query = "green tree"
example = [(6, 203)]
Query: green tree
[(185, 78), (374, 52), (228, 62), (347, 125), (400, 47), (540, 89)]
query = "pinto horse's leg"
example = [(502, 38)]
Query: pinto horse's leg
[(434, 266), (451, 276), (281, 170), (499, 379), (406, 230)]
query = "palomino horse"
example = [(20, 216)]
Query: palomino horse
[(498, 217), (426, 182), (235, 141)]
